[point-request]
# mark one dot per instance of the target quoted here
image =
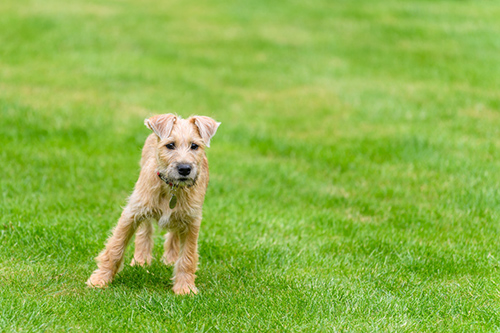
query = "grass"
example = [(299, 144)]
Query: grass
[(354, 180)]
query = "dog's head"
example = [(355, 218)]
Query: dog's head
[(181, 145)]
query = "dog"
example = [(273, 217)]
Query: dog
[(171, 190)]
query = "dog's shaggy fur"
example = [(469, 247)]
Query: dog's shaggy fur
[(176, 147)]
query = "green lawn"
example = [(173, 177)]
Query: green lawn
[(355, 180)]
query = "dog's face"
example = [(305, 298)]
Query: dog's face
[(181, 146)]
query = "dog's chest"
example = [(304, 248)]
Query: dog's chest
[(173, 221), (165, 221), (171, 218)]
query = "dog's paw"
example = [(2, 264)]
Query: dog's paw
[(184, 289), (169, 259), (98, 280), (141, 261)]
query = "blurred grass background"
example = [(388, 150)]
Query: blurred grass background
[(354, 180)]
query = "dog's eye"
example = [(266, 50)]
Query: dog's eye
[(170, 146), (194, 146)]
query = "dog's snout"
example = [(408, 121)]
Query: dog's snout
[(184, 169)]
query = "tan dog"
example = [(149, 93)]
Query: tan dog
[(171, 189)]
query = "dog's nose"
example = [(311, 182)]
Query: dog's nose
[(184, 169)]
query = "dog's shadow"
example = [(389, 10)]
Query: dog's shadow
[(155, 276)]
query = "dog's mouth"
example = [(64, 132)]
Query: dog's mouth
[(184, 182), (176, 182)]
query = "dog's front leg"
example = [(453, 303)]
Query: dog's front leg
[(110, 259), (186, 265)]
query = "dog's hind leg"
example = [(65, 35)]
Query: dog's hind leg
[(171, 247), (143, 244), (110, 259)]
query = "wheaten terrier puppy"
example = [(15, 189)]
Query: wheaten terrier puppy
[(171, 189)]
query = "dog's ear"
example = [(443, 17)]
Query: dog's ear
[(161, 124), (206, 126)]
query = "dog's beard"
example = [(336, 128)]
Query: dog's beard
[(178, 181), (184, 182)]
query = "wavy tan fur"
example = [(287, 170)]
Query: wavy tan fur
[(150, 201)]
